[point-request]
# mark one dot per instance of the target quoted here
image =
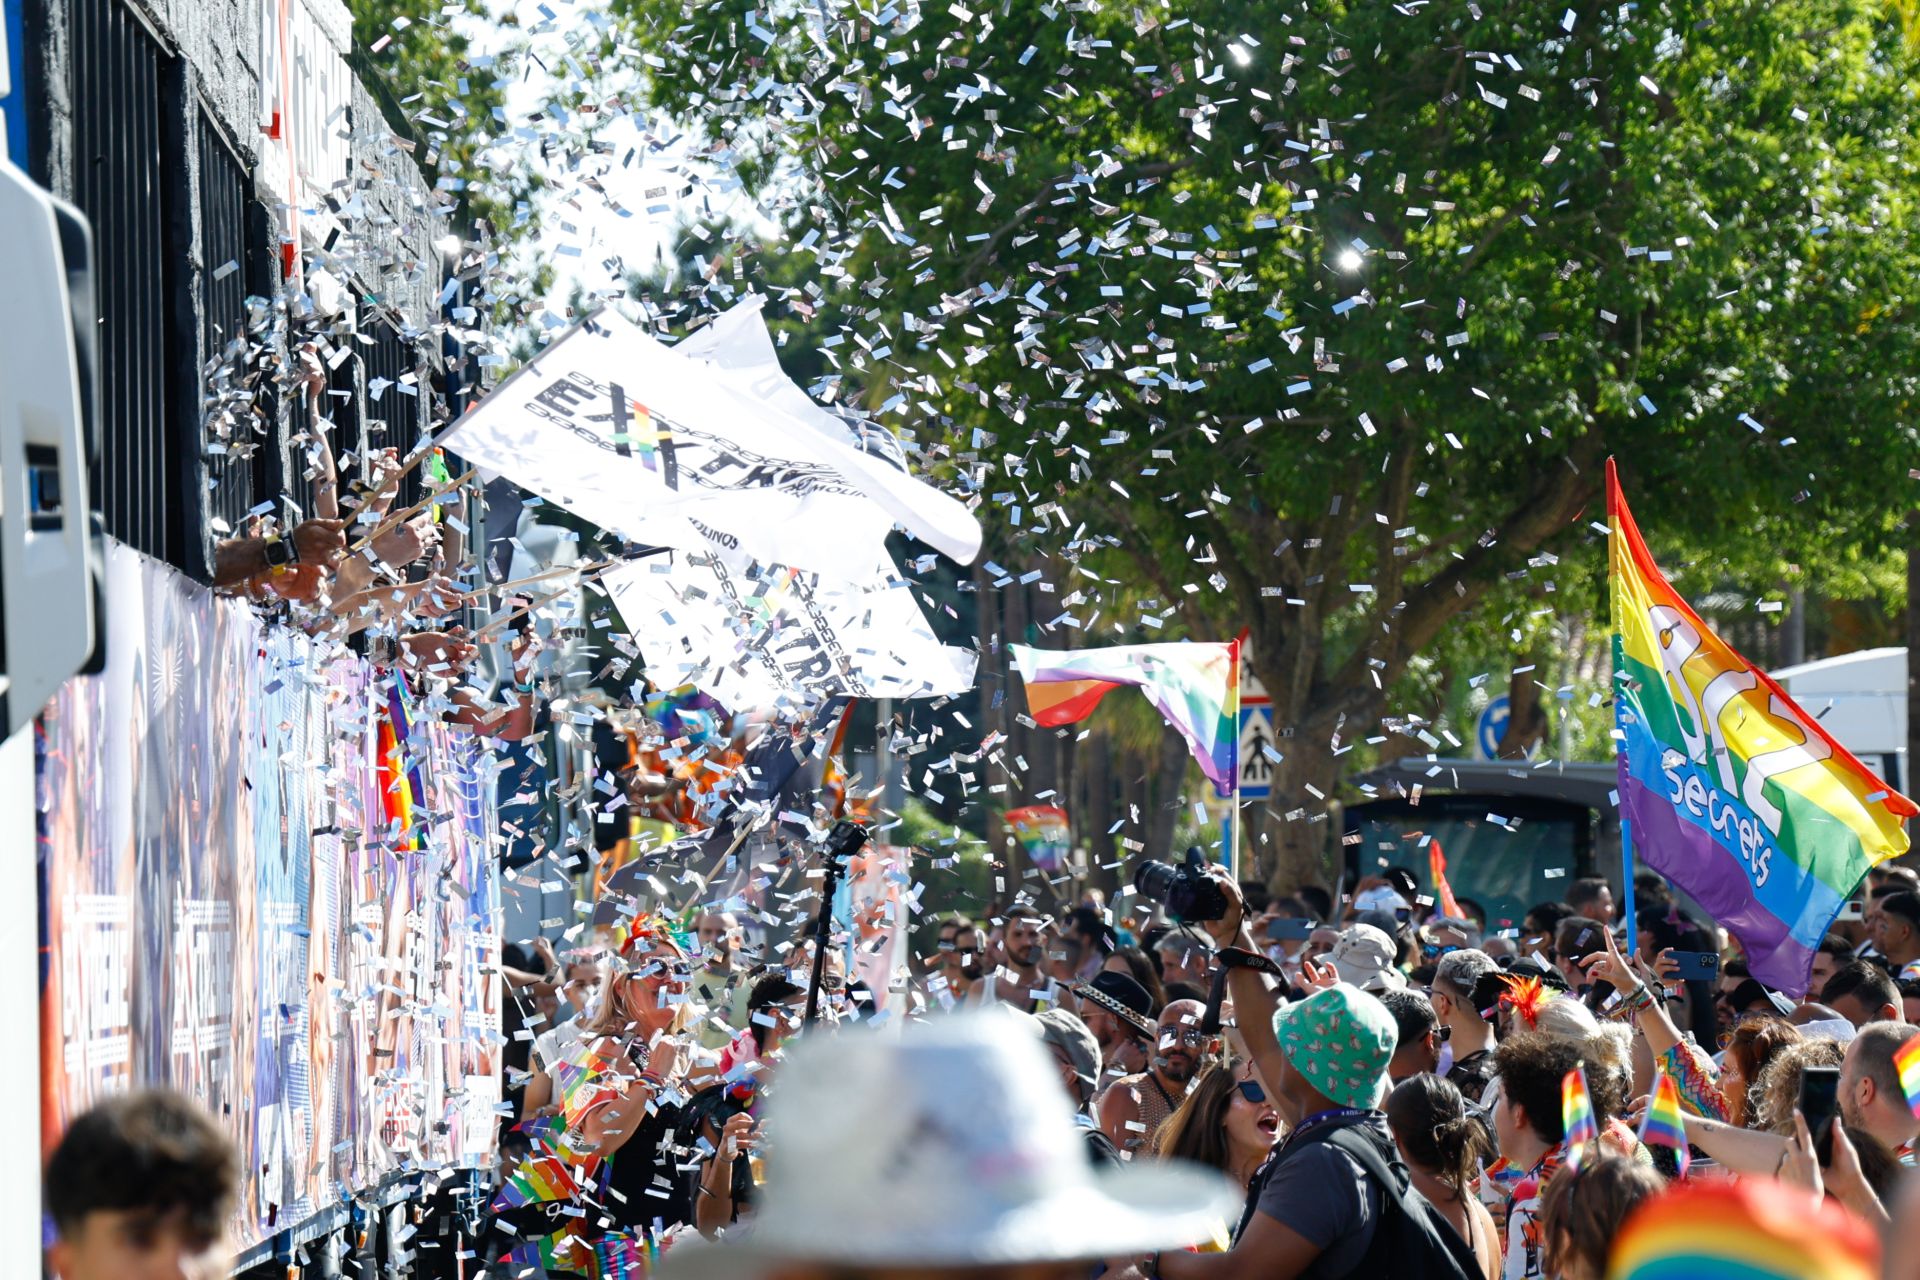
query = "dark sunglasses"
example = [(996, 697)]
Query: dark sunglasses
[(1169, 1035), (1252, 1092), (1434, 950)]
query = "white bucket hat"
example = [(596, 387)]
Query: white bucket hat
[(949, 1144), (1363, 956)]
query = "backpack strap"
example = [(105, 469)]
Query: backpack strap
[(1397, 1191)]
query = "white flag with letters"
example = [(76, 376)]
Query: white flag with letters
[(780, 636), (675, 450)]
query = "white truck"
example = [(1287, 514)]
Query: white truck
[(49, 592)]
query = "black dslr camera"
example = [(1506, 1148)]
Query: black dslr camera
[(1191, 895)]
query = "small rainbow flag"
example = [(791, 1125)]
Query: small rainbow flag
[(402, 793), (1043, 832), (1907, 1060), (1576, 1117), (1437, 871), (1195, 686), (1727, 787), (1752, 1229), (539, 1179), (1665, 1124)]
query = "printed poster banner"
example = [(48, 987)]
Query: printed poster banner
[(778, 637), (227, 914), (683, 451)]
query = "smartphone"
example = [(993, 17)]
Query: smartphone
[(1852, 910), (1290, 930), (1819, 1099), (1696, 966)]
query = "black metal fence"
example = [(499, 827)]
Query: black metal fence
[(125, 162), (239, 432), (395, 408)]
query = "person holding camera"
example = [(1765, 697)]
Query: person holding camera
[(1335, 1199)]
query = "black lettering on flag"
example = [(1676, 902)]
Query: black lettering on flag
[(622, 443)]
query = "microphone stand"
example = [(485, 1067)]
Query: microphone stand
[(843, 841)]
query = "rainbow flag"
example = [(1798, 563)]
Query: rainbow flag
[(1437, 871), (1043, 832), (1907, 1060), (1195, 686), (1726, 787), (1752, 1229), (1576, 1117), (401, 790), (1665, 1124)]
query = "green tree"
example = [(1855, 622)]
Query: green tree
[(433, 90), (1322, 319)]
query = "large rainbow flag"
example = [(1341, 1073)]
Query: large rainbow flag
[(1195, 686), (1726, 786), (1753, 1229)]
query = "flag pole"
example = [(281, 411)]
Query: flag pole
[(1628, 918), (1232, 851)]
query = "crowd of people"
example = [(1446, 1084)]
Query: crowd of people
[(1374, 1090)]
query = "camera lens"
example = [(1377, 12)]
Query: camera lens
[(1154, 880)]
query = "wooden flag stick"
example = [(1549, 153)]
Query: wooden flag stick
[(588, 567), (529, 607), (396, 519)]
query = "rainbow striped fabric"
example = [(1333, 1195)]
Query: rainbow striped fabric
[(1043, 832), (1576, 1118), (1907, 1061), (1753, 1229), (1665, 1125), (1195, 686), (1728, 788)]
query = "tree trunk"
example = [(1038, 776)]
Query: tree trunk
[(1303, 784), (1098, 813), (1526, 718), (1168, 786), (994, 680)]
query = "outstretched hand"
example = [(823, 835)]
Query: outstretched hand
[(1611, 967)]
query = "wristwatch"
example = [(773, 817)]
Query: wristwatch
[(280, 552)]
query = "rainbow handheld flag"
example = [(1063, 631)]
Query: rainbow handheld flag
[(1907, 1061), (1437, 872), (1752, 1229), (1195, 686), (403, 795), (1665, 1124), (1043, 832), (1576, 1117), (1727, 787)]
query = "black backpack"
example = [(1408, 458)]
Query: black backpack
[(1412, 1241)]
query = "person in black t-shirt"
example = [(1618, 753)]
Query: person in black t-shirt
[(1456, 982)]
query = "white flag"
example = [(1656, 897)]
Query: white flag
[(780, 637), (673, 450)]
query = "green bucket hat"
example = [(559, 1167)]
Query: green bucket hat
[(1339, 1040)]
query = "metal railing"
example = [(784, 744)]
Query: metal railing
[(242, 448), (125, 158)]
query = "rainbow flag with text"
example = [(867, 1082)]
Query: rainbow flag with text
[(1195, 686), (1726, 786)]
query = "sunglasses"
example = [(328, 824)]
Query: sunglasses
[(1189, 1036), (1252, 1092), (1434, 950)]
